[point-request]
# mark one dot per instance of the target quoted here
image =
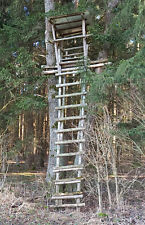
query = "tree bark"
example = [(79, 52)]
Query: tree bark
[(50, 61)]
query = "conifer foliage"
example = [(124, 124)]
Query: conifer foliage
[(21, 41)]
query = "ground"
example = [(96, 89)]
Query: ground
[(25, 200)]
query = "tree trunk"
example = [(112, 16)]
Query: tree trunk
[(50, 61)]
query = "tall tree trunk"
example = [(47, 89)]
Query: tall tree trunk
[(50, 61)]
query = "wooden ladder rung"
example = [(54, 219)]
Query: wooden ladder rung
[(68, 205), (73, 54), (69, 196), (71, 62), (70, 141), (67, 73), (49, 72), (70, 106), (70, 130), (70, 154), (71, 118), (71, 38), (73, 48), (70, 58), (68, 84), (78, 69), (67, 168), (68, 181), (71, 95)]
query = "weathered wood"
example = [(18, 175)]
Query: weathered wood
[(70, 154), (68, 205), (92, 65), (67, 73), (70, 58), (68, 181), (70, 129), (71, 38), (73, 54), (67, 196), (67, 26), (74, 31), (69, 142), (70, 15), (68, 84), (68, 22), (71, 95), (99, 65), (71, 62), (71, 118), (51, 72), (70, 106), (67, 168), (73, 48), (91, 62)]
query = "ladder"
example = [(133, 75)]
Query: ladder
[(71, 51)]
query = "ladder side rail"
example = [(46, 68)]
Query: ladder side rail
[(57, 202), (82, 111), (59, 135)]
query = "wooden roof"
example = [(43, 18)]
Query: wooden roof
[(71, 21)]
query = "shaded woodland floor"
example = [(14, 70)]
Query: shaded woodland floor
[(25, 199)]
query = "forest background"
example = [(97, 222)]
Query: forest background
[(116, 96)]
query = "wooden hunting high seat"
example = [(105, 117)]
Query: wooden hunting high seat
[(70, 37), (71, 51)]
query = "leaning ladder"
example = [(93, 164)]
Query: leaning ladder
[(70, 85)]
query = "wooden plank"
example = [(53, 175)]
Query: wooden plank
[(71, 118), (67, 193), (73, 54), (71, 62), (73, 48), (67, 73), (66, 26), (70, 130), (69, 142), (68, 181), (70, 106), (77, 68), (69, 32), (71, 38), (68, 49), (49, 72), (64, 16), (99, 65), (67, 197), (68, 22), (71, 58), (70, 154), (68, 84), (68, 205), (67, 168), (71, 95)]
